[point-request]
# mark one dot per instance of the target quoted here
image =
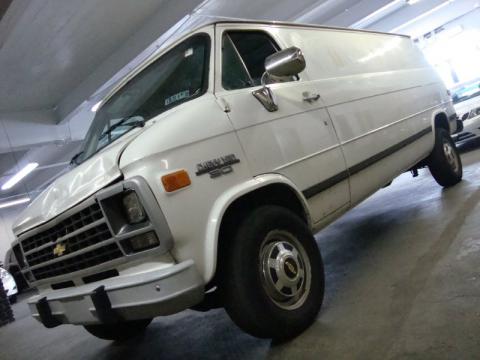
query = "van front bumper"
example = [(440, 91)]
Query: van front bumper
[(122, 298)]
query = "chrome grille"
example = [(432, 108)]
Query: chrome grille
[(77, 242), (80, 262), (67, 226), (84, 237)]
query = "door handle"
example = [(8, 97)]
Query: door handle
[(310, 98)]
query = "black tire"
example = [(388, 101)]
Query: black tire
[(19, 279), (445, 163), (118, 331), (247, 299), (13, 299)]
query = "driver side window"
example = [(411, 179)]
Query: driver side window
[(243, 58)]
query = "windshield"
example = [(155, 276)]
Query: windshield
[(177, 76)]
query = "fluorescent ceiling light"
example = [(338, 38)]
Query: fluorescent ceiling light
[(19, 176), (14, 202), (378, 14), (421, 16)]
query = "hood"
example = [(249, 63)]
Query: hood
[(75, 186)]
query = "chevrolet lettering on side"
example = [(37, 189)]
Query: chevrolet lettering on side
[(207, 170)]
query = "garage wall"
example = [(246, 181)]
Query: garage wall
[(7, 218), (454, 49)]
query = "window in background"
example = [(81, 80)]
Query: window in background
[(456, 55)]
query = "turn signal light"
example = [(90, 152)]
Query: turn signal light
[(176, 180)]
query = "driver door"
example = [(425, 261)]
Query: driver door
[(297, 140)]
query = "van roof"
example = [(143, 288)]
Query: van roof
[(224, 20), (187, 25)]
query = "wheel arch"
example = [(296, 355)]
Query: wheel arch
[(440, 120), (273, 189)]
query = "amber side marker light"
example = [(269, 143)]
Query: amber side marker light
[(176, 181)]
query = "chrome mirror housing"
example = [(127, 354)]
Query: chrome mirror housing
[(288, 62)]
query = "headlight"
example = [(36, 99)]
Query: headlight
[(133, 209)]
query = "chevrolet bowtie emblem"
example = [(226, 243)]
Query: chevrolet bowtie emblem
[(59, 250)]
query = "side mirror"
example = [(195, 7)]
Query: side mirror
[(285, 63), (288, 62)]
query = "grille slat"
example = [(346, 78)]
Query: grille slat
[(81, 230), (77, 221), (67, 237), (78, 242), (80, 262)]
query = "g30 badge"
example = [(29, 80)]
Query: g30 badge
[(217, 167)]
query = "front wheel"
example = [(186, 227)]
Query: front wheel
[(445, 163), (274, 275), (118, 331)]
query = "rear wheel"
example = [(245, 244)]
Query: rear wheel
[(445, 163), (274, 271), (118, 331)]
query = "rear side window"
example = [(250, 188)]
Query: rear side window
[(243, 58)]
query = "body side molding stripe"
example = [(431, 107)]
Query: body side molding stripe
[(326, 184), (332, 181)]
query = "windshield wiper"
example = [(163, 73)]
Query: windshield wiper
[(75, 157), (136, 121)]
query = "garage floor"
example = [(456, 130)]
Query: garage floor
[(403, 281)]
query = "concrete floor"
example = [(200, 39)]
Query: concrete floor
[(403, 281)]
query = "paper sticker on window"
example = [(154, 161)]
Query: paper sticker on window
[(189, 52), (177, 97)]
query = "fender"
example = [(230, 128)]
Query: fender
[(226, 199), (435, 113), (450, 115)]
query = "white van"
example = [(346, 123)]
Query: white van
[(207, 170)]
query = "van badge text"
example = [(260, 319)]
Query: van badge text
[(217, 167)]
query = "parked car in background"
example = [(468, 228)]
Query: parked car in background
[(11, 265), (466, 99), (9, 285)]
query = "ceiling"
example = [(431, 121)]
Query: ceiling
[(54, 54)]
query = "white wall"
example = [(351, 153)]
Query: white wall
[(7, 218), (469, 21)]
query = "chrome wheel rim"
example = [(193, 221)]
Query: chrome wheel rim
[(285, 270), (451, 155)]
